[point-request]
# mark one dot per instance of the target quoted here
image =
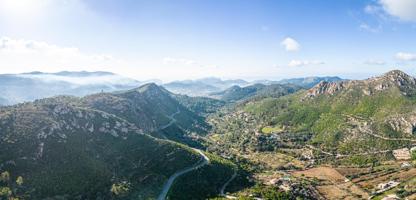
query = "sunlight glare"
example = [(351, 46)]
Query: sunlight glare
[(20, 8)]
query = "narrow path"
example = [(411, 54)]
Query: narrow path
[(318, 149), (172, 119), (347, 155), (390, 139), (204, 161)]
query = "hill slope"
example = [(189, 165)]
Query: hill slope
[(66, 151), (360, 117), (237, 93), (344, 115), (151, 108)]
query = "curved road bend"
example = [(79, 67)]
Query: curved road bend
[(222, 191), (172, 119), (169, 183)]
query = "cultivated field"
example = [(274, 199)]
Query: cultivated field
[(332, 184)]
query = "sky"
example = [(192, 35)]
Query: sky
[(189, 39)]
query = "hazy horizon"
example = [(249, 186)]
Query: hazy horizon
[(113, 77)]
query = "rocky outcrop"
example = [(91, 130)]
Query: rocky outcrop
[(326, 88), (396, 78), (404, 124), (399, 78)]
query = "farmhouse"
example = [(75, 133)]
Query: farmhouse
[(387, 186), (406, 165), (401, 154)]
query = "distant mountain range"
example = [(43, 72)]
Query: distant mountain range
[(17, 88), (202, 87), (306, 82), (211, 87)]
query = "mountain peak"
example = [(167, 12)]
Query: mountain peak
[(396, 75), (152, 89), (148, 87)]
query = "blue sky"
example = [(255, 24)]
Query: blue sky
[(182, 39)]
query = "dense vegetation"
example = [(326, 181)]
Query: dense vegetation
[(337, 118), (201, 105), (63, 150), (204, 182), (148, 107), (354, 118), (97, 147)]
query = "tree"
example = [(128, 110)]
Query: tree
[(5, 192), (414, 155), (5, 176), (19, 180), (119, 189)]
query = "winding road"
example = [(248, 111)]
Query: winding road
[(172, 119), (222, 191), (204, 161)]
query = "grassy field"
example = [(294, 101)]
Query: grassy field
[(271, 129)]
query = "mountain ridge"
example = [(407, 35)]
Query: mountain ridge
[(390, 79), (347, 117)]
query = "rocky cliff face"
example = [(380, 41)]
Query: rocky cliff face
[(405, 124), (328, 88), (398, 78), (393, 79)]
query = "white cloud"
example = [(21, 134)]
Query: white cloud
[(406, 56), (19, 55), (374, 62), (299, 63), (372, 9), (180, 61), (367, 27), (403, 9), (290, 44)]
